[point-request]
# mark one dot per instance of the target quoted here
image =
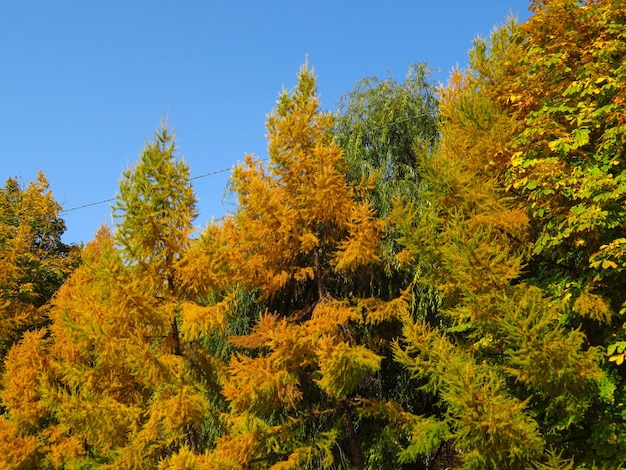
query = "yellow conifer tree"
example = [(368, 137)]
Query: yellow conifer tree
[(304, 240), (34, 261), (111, 381)]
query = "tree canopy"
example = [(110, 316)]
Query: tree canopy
[(428, 278), (34, 260)]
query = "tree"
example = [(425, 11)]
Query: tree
[(568, 166), (156, 206), (303, 385), (569, 160), (385, 128), (111, 381), (34, 260), (388, 293), (513, 381)]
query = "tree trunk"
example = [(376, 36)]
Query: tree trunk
[(192, 438), (321, 288), (353, 440), (176, 349)]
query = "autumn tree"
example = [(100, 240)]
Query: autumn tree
[(569, 163), (111, 381), (396, 289), (34, 261), (569, 166), (516, 384), (304, 381)]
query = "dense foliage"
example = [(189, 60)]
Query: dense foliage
[(35, 261), (426, 279)]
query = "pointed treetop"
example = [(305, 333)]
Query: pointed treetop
[(156, 206)]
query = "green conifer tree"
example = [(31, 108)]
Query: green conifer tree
[(513, 382)]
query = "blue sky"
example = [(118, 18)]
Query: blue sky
[(85, 83)]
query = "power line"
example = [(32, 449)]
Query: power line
[(210, 173), (223, 170), (104, 201), (87, 205)]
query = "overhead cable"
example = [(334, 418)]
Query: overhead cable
[(223, 170)]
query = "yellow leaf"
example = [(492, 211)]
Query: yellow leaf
[(308, 241), (606, 264)]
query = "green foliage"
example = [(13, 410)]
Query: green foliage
[(488, 425), (569, 160), (568, 166), (509, 368), (156, 207), (385, 128)]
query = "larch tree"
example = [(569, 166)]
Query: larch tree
[(34, 261), (515, 384), (110, 382), (304, 383)]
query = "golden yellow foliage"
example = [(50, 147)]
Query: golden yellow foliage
[(292, 209), (261, 383), (60, 447), (198, 320), (593, 306), (109, 378), (25, 367), (33, 260), (377, 311), (342, 366), (185, 459), (360, 247), (15, 449), (300, 233)]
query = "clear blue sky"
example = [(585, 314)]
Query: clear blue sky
[(85, 83)]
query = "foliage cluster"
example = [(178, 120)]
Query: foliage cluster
[(426, 279)]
